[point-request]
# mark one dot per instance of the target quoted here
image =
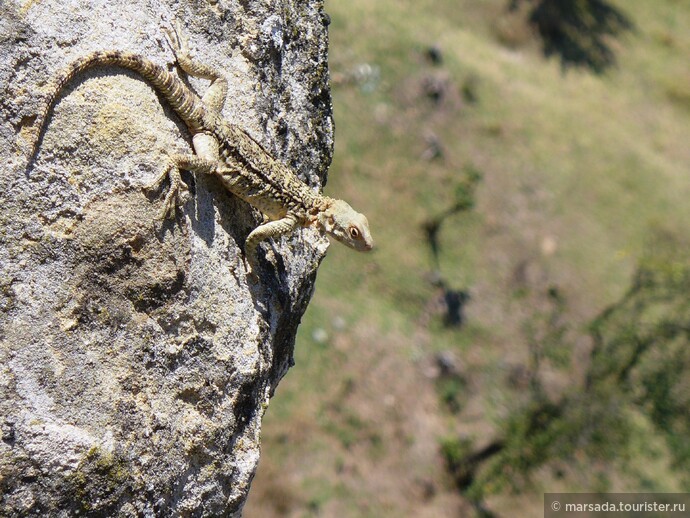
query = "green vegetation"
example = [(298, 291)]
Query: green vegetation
[(636, 372), (101, 479), (570, 238)]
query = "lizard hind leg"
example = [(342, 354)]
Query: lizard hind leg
[(216, 94), (178, 191)]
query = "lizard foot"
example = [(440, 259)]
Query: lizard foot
[(178, 192), (252, 268), (176, 39), (179, 45)]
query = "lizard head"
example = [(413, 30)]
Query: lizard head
[(346, 225)]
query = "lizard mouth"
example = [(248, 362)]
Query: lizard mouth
[(363, 246), (360, 246)]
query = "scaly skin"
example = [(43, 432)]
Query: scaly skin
[(245, 168)]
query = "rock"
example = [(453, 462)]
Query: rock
[(136, 361)]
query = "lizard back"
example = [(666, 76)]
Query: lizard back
[(261, 180)]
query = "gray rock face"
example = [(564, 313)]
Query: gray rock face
[(136, 361)]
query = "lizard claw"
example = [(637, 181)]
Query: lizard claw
[(157, 182), (178, 193), (176, 196), (176, 39)]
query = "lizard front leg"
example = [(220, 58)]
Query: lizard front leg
[(264, 231)]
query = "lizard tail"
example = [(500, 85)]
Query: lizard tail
[(185, 102)]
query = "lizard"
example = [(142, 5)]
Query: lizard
[(222, 149)]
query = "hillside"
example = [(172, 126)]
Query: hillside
[(580, 175)]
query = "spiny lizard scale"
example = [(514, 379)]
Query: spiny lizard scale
[(244, 167)]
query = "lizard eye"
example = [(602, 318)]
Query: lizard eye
[(354, 232)]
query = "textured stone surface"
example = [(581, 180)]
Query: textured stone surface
[(135, 360)]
